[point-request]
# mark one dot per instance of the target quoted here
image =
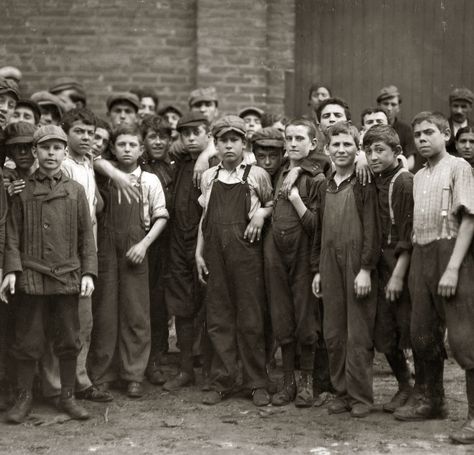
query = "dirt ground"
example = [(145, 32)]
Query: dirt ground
[(165, 423)]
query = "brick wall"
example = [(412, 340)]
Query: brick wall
[(171, 45)]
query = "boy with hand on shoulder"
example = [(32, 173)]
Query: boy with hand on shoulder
[(441, 270), (345, 255), (121, 309), (50, 260), (287, 248), (395, 201), (231, 266)]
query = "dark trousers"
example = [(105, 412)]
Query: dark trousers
[(42, 318), (431, 314)]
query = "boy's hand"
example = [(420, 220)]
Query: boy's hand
[(289, 182), (201, 165), (15, 187), (87, 286), (448, 283), (316, 286), (136, 253), (202, 269), (8, 286), (363, 171), (293, 194), (127, 187), (394, 288), (362, 283), (253, 232)]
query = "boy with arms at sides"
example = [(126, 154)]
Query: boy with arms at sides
[(232, 267), (442, 265), (465, 144), (346, 252), (50, 261), (120, 345), (395, 201), (157, 138), (287, 249), (79, 125)]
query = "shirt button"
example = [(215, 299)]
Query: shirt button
[(45, 226)]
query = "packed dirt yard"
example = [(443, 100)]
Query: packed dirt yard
[(165, 423)]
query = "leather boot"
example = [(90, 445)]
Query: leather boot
[(287, 394), (304, 397), (22, 407), (69, 405), (465, 435)]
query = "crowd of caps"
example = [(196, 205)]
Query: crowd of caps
[(252, 231)]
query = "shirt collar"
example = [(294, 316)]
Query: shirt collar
[(41, 176)]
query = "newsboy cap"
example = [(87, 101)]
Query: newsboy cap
[(228, 123), (461, 94), (202, 94), (388, 92), (47, 132)]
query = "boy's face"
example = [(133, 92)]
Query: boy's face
[(252, 124), (79, 138), (49, 116), (465, 146), (147, 106), (343, 150), (123, 114), (298, 142), (429, 140), (392, 106), (319, 96), (172, 118), (156, 145), (127, 149), (269, 158), (50, 155), (23, 114), (331, 114), (195, 138), (460, 111), (381, 156), (66, 97), (376, 118), (230, 147), (7, 107), (22, 156), (100, 141), (207, 108)]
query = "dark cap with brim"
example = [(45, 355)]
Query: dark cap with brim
[(10, 87), (202, 94), (192, 119), (461, 94), (229, 123), (388, 92), (268, 137), (170, 108), (250, 110), (127, 97), (44, 98)]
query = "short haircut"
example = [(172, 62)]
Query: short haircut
[(83, 114), (437, 118), (310, 126), (372, 110), (333, 100), (343, 128), (101, 123), (381, 133), (147, 93), (126, 129), (157, 124), (269, 119), (315, 86), (464, 129)]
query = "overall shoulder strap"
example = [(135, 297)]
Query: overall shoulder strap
[(246, 173)]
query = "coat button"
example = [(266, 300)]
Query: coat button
[(45, 226)]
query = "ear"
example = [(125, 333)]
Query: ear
[(314, 143), (34, 152), (397, 150), (447, 134)]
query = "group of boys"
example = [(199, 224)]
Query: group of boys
[(252, 231)]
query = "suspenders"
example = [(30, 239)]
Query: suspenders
[(244, 177), (390, 207)]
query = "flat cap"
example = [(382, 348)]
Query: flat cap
[(123, 96), (192, 119), (66, 83), (387, 92), (202, 94), (228, 123), (10, 72), (250, 110), (47, 132), (18, 133), (44, 98), (461, 94), (9, 86), (170, 108), (268, 137)]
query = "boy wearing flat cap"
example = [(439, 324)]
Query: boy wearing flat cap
[(51, 107), (50, 261), (70, 92), (122, 109), (460, 106), (232, 266), (205, 101), (9, 96), (252, 117)]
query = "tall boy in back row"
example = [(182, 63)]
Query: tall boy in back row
[(442, 267)]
